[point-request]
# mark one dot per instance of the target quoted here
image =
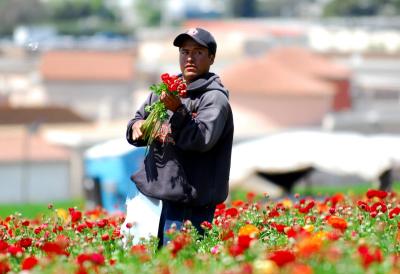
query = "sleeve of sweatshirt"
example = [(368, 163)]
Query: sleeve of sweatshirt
[(139, 115), (202, 132)]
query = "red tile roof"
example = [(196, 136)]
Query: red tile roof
[(268, 76), (304, 60), (87, 65), (18, 145), (28, 115)]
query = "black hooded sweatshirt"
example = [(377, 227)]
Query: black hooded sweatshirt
[(192, 164)]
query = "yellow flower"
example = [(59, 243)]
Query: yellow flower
[(249, 230), (62, 213), (308, 228), (265, 267), (287, 203)]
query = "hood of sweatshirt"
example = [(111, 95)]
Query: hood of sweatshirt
[(209, 81)]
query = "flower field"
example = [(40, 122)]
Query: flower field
[(335, 234)]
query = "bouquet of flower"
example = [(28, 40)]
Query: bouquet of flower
[(157, 111)]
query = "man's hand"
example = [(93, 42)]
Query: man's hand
[(136, 131), (170, 101)]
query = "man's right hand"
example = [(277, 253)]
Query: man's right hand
[(136, 131)]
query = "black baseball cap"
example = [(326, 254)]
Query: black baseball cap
[(199, 35)]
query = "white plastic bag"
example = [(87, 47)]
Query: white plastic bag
[(143, 213)]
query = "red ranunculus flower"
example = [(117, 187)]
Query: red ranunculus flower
[(25, 242), (376, 193), (282, 257), (394, 212), (157, 110), (76, 215), (29, 262), (379, 206), (363, 206)]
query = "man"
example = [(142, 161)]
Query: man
[(188, 164)]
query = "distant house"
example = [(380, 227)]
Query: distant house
[(376, 95), (38, 115), (96, 84), (282, 97), (305, 61), (19, 82), (33, 169)]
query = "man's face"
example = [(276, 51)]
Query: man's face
[(194, 59)]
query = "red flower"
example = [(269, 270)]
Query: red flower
[(244, 241), (54, 248), (225, 235), (25, 242), (307, 207), (273, 213), (95, 258), (15, 250), (3, 246), (278, 227), (105, 237), (376, 193), (206, 225), (25, 223), (336, 198), (363, 206), (29, 262), (282, 257), (369, 257), (102, 223), (140, 250), (76, 215), (4, 267), (219, 210), (379, 206), (232, 212), (81, 227), (394, 212), (236, 250), (250, 196), (180, 241), (81, 258)]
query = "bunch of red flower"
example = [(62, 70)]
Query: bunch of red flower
[(174, 84), (157, 111)]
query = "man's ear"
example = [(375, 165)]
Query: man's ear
[(212, 57)]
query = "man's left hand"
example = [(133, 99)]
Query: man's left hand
[(170, 101)]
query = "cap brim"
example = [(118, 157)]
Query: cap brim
[(181, 37)]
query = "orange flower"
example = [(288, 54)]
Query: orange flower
[(337, 222), (249, 230), (310, 245), (301, 269), (238, 203)]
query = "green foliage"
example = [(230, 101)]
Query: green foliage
[(32, 210), (77, 9), (362, 7), (149, 11)]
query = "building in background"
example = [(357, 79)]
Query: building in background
[(97, 84), (33, 169)]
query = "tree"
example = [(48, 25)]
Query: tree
[(19, 12), (361, 7), (244, 8), (149, 11)]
